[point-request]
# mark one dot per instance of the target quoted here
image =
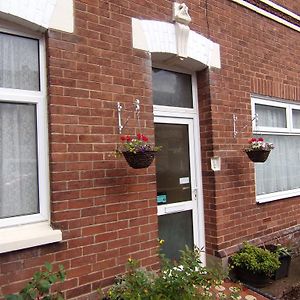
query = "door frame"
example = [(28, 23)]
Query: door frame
[(178, 114)]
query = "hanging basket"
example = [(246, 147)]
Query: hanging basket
[(139, 160), (258, 156)]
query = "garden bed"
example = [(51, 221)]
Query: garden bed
[(292, 294)]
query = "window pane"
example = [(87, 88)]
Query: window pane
[(281, 171), (177, 231), (18, 160), (171, 88), (296, 118), (271, 116), (19, 62), (173, 162)]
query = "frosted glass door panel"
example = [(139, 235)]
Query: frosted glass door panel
[(173, 162), (177, 231), (172, 88)]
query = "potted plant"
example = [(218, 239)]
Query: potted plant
[(258, 150), (254, 265), (138, 152), (284, 255)]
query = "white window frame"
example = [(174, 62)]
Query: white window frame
[(31, 230), (289, 130)]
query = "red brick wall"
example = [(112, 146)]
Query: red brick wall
[(258, 56), (107, 211)]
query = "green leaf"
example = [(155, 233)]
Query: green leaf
[(48, 266), (44, 286), (32, 294), (13, 297), (37, 276), (52, 278), (60, 297)]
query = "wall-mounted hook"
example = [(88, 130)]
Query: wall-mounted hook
[(235, 118), (136, 108)]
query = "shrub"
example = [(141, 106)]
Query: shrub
[(187, 279), (38, 288), (256, 259)]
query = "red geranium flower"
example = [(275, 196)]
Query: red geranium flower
[(251, 140), (123, 138), (260, 139), (139, 136), (144, 138), (128, 138)]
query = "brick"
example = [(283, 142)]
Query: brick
[(106, 210)]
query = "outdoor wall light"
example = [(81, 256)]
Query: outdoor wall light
[(215, 163)]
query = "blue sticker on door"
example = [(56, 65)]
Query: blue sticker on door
[(161, 199)]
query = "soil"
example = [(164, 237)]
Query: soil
[(286, 288), (293, 294)]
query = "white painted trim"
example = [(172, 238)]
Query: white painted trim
[(267, 14), (294, 107), (26, 236), (39, 98), (289, 130), (277, 196), (39, 14), (42, 138), (63, 16), (165, 209), (276, 131), (281, 9), (159, 39)]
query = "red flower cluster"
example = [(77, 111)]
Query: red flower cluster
[(126, 138), (142, 137), (139, 136), (252, 140)]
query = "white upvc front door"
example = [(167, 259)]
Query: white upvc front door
[(178, 164)]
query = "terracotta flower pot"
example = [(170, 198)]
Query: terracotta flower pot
[(139, 160), (258, 155)]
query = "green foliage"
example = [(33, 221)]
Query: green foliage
[(137, 283), (256, 259), (187, 279), (282, 251), (38, 288), (135, 144)]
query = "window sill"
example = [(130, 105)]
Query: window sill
[(26, 236), (277, 196)]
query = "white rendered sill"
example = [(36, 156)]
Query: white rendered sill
[(26, 236), (277, 196)]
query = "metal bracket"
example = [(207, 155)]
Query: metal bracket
[(136, 107), (235, 118)]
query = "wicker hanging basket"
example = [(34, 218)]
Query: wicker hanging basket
[(139, 160), (258, 156)]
